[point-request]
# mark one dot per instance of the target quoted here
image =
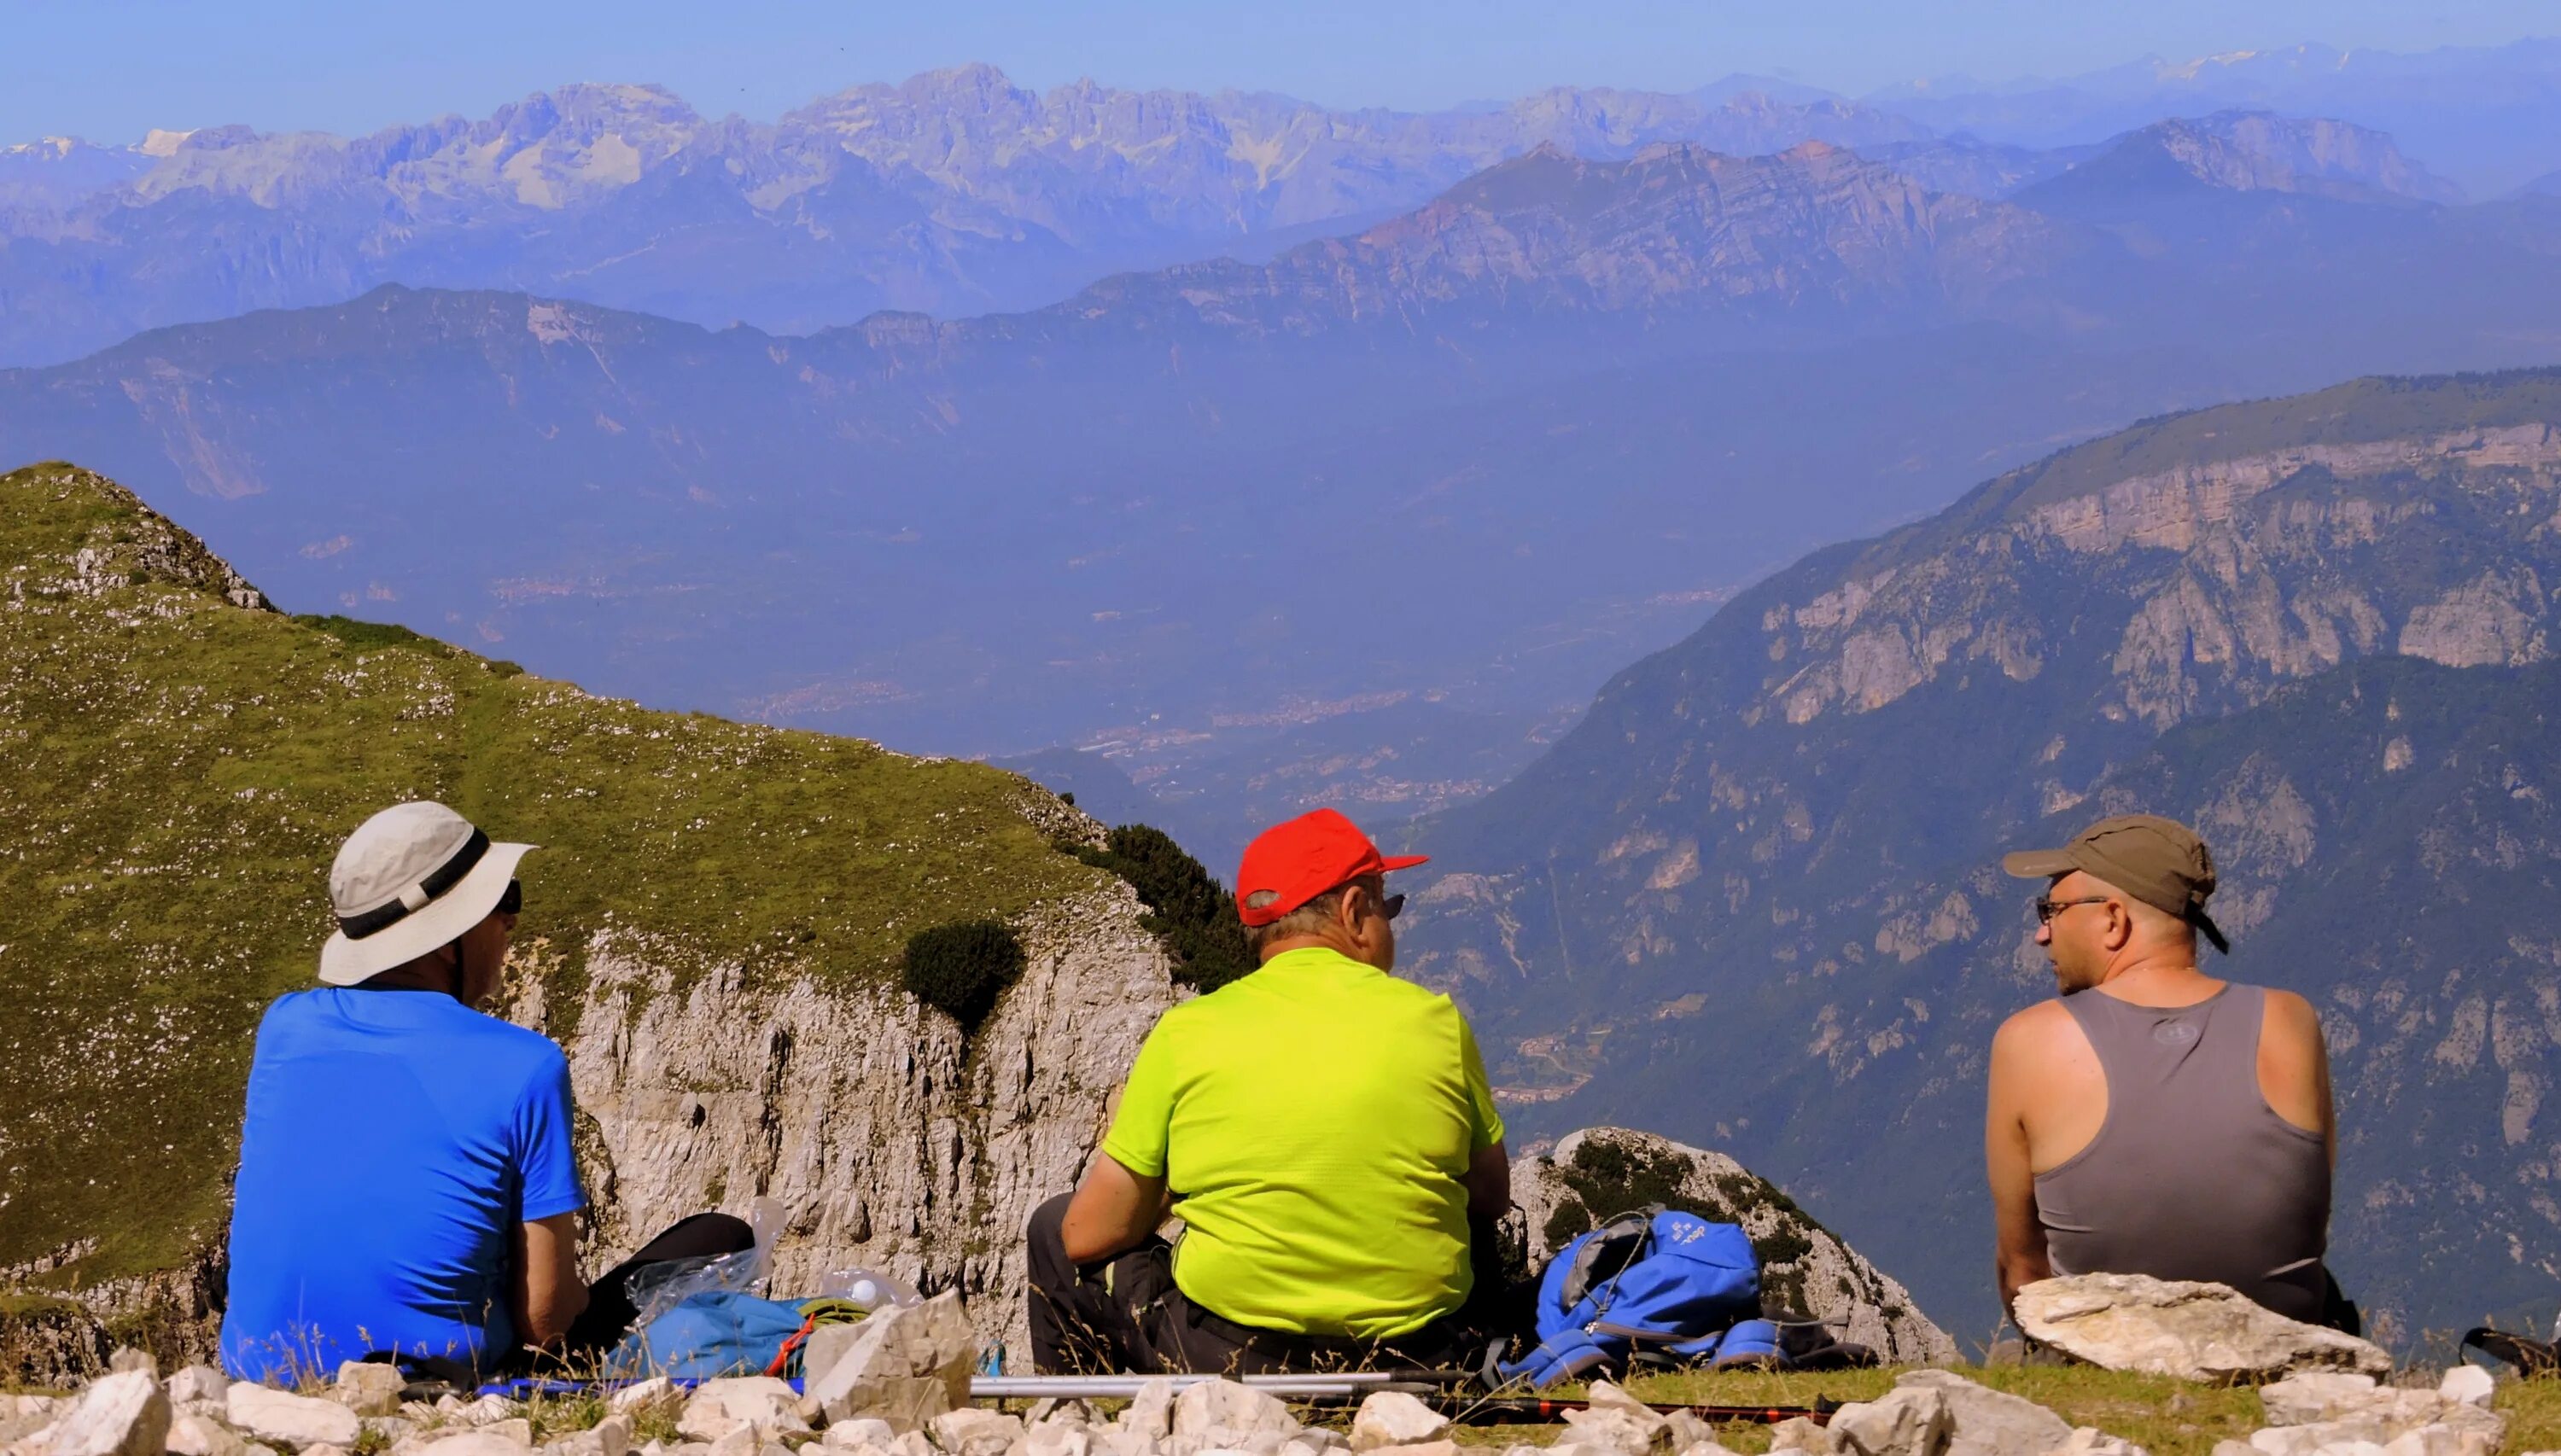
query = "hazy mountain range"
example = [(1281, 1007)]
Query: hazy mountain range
[(958, 192), (1755, 890), (1544, 422)]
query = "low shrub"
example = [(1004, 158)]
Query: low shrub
[(1190, 912), (961, 968)]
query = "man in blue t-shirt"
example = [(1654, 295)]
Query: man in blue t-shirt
[(407, 1182)]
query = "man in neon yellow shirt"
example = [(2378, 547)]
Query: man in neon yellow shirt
[(1322, 1129)]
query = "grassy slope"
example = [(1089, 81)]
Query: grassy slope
[(179, 773)]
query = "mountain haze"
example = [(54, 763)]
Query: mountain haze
[(954, 192), (1759, 883)]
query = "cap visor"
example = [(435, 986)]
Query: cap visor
[(2038, 864), (1402, 862), (344, 962)]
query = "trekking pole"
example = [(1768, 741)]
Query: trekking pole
[(1124, 1388), (1507, 1409)]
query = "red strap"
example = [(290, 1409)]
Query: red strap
[(791, 1346)]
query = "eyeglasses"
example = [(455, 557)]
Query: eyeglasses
[(2047, 909), (513, 901), (1391, 905)]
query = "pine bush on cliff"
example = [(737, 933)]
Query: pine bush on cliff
[(961, 968), (1192, 914)]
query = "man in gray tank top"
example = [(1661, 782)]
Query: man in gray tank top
[(2155, 1120)]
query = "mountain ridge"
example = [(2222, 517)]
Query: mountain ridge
[(1794, 817)]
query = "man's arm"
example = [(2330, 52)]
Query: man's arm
[(2293, 1068), (2020, 1256), (1489, 1183), (1113, 1211), (548, 1296)]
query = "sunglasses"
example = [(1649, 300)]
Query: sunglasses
[(1391, 905), (513, 901), (2047, 909)]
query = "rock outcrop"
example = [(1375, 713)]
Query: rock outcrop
[(1806, 1268), (2183, 1328)]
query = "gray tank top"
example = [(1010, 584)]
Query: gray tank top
[(2193, 1176)]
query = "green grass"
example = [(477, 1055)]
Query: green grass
[(180, 771)]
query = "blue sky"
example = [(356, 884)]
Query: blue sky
[(108, 69)]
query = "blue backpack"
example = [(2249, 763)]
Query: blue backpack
[(1658, 1283), (719, 1332)]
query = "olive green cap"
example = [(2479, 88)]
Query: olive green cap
[(2158, 861)]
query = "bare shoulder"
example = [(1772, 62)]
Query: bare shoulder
[(2292, 1017), (2034, 1034)]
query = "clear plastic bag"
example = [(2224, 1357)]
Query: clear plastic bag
[(661, 1287)]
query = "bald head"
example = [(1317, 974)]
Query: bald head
[(2098, 929)]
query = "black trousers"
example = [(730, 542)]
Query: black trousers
[(609, 1310), (1125, 1315)]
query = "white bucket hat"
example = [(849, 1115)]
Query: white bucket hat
[(411, 879)]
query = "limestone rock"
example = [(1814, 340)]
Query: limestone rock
[(1395, 1418), (1223, 1413), (486, 1410), (2182, 1329), (2468, 1385), (1988, 1422), (1908, 1420), (497, 1438), (2314, 1395), (2091, 1441), (1422, 1448), (860, 1430), (126, 1360), (196, 1435), (763, 1402), (196, 1383), (121, 1415), (1609, 1432), (611, 1436), (368, 1389), (1800, 1434), (905, 1366), (642, 1393), (2310, 1411), (282, 1418), (1150, 1415), (1058, 1438), (969, 1431), (1829, 1282)]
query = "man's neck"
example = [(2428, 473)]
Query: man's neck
[(2158, 978)]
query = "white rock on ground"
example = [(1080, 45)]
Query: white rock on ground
[(970, 1431), (1422, 1448), (484, 1411), (368, 1389), (2186, 1329), (905, 1366), (2309, 1412), (611, 1436), (763, 1404), (862, 1431), (1223, 1413), (1149, 1415), (2091, 1441), (642, 1393), (1986, 1423), (1908, 1420), (282, 1418), (197, 1435), (121, 1415), (484, 1441), (196, 1383), (2470, 1384), (1394, 1418)]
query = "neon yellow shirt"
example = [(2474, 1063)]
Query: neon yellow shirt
[(1315, 1121)]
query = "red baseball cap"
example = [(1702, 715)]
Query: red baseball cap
[(1303, 859)]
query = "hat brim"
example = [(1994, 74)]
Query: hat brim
[(345, 962), (1402, 862), (2039, 864)]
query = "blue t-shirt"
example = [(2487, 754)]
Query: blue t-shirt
[(393, 1141)]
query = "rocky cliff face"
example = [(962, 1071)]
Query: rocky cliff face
[(892, 1141), (2317, 627)]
